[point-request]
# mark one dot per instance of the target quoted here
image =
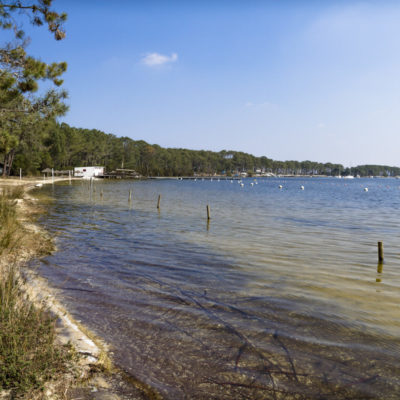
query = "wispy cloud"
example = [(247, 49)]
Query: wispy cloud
[(155, 59)]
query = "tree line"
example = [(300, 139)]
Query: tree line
[(49, 144)]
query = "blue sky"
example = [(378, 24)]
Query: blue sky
[(291, 80)]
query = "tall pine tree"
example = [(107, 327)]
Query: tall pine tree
[(20, 73)]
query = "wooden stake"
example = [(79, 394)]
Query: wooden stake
[(208, 212), (379, 269), (380, 252), (158, 201), (130, 195)]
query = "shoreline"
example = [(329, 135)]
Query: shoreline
[(95, 376)]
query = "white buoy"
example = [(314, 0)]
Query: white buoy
[(280, 186), (242, 184), (252, 184), (231, 181), (365, 189), (302, 187)]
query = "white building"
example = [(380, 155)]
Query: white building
[(88, 172)]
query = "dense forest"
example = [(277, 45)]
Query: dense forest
[(49, 144)]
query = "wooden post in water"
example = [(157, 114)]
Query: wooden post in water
[(101, 193), (158, 201), (379, 269), (130, 195), (208, 213), (380, 252)]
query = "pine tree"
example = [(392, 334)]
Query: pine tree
[(20, 73)]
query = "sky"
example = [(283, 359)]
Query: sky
[(290, 80)]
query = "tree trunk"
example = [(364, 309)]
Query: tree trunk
[(10, 160), (4, 166)]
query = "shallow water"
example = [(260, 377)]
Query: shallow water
[(278, 297)]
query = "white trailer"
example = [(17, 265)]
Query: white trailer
[(88, 172)]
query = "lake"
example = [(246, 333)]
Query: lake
[(279, 296)]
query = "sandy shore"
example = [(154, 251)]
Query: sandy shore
[(94, 377)]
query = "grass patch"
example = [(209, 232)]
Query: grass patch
[(29, 356), (8, 222), (13, 192)]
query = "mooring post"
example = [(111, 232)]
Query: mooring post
[(130, 195), (379, 268), (158, 201), (208, 213), (101, 193), (380, 252)]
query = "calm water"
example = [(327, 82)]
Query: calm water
[(278, 297)]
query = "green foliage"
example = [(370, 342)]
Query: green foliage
[(374, 170), (20, 73), (53, 145), (64, 147), (8, 224), (14, 59)]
